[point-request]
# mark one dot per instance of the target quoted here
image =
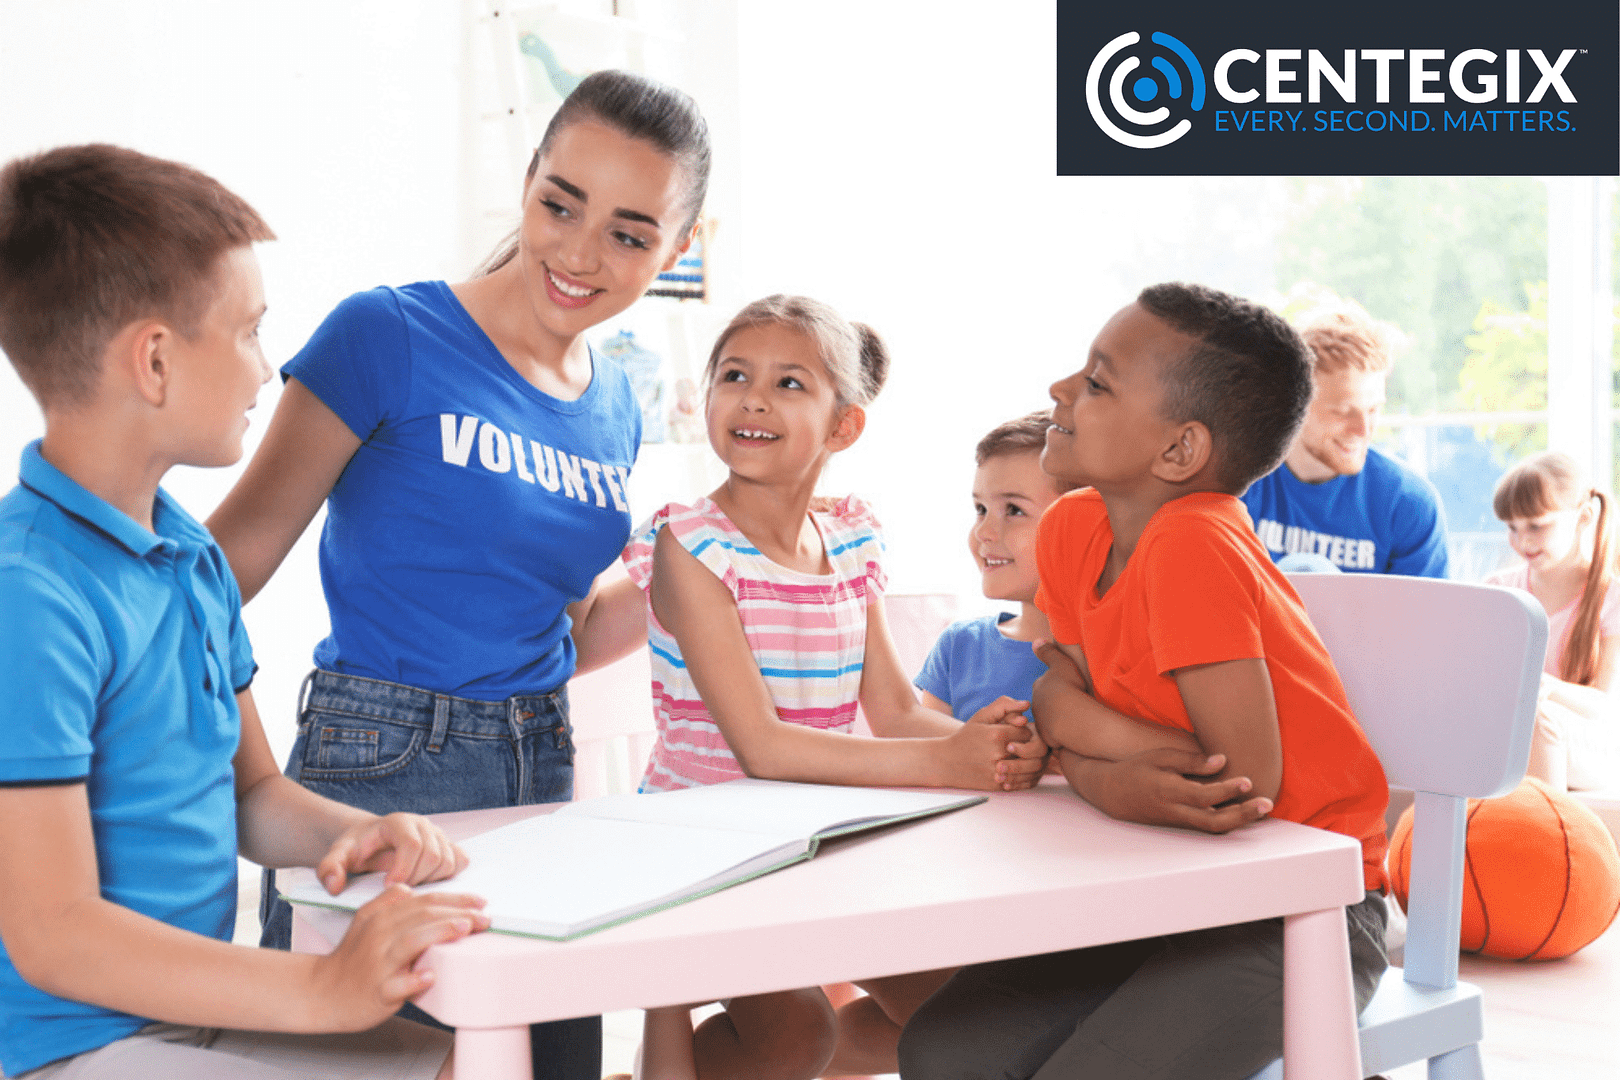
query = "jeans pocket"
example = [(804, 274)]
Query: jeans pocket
[(340, 746)]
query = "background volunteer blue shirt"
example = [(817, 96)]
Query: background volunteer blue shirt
[(477, 507), (973, 663), (121, 651), (1386, 519)]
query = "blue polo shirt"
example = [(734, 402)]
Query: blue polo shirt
[(121, 651), (973, 663)]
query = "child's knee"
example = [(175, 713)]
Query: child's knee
[(792, 1033)]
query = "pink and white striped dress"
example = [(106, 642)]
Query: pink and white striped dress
[(807, 632)]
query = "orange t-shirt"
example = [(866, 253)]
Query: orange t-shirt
[(1199, 589)]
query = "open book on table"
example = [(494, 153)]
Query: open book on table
[(599, 862)]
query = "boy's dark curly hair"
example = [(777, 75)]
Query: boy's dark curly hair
[(1248, 380)]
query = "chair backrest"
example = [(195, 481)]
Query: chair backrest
[(614, 727), (1442, 675)]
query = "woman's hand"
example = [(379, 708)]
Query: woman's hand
[(410, 847)]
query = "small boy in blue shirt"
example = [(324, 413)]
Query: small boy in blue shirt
[(975, 661), (133, 766)]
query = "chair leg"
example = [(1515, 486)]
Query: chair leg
[(1460, 1064)]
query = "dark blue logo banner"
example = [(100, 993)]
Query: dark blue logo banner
[(1184, 89)]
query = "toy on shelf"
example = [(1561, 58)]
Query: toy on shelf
[(688, 279)]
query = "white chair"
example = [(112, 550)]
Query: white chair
[(1442, 676), (614, 728)]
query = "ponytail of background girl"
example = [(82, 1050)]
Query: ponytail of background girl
[(1545, 483)]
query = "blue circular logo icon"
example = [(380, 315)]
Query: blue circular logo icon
[(1174, 70)]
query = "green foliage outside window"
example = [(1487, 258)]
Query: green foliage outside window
[(1424, 253)]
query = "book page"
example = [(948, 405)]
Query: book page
[(774, 807), (552, 873)]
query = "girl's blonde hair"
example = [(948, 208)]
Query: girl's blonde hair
[(854, 355), (1549, 482)]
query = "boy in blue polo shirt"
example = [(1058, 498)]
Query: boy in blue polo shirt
[(132, 763)]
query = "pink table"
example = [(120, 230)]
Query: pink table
[(1027, 872)]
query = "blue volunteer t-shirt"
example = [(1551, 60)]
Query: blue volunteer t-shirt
[(973, 663), (1386, 519), (477, 507), (121, 652)]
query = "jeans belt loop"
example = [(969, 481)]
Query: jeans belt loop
[(441, 722), (303, 695)]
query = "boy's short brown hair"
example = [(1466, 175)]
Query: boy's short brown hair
[(94, 237), (1248, 379), (1025, 435)]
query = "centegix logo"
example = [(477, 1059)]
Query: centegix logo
[(1269, 90)]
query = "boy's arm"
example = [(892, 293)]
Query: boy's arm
[(281, 823), (1071, 718), (1235, 715), (65, 939), (1162, 787)]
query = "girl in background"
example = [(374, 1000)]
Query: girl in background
[(766, 626), (1560, 526)]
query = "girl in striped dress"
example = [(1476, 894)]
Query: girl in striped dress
[(765, 620)]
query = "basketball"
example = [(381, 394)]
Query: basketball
[(1541, 878)]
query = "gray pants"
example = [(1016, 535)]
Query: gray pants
[(1205, 1004), (394, 1050)]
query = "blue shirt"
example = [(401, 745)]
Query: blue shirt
[(1385, 519), (477, 507), (121, 652), (973, 663)]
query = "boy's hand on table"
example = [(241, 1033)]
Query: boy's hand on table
[(368, 976), (979, 754), (1160, 787), (410, 847), (1025, 756)]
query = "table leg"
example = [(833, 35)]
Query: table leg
[(1320, 1040), (493, 1053)]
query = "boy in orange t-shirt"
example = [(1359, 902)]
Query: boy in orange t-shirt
[(1186, 687)]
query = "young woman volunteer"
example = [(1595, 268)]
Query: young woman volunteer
[(472, 453)]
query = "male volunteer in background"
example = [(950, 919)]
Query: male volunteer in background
[(1335, 495)]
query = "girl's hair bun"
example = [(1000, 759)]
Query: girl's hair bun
[(874, 359)]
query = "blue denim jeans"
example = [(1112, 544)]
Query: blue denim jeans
[(384, 747)]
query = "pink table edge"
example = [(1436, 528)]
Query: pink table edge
[(1163, 880)]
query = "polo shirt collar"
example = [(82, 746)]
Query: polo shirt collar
[(56, 486)]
